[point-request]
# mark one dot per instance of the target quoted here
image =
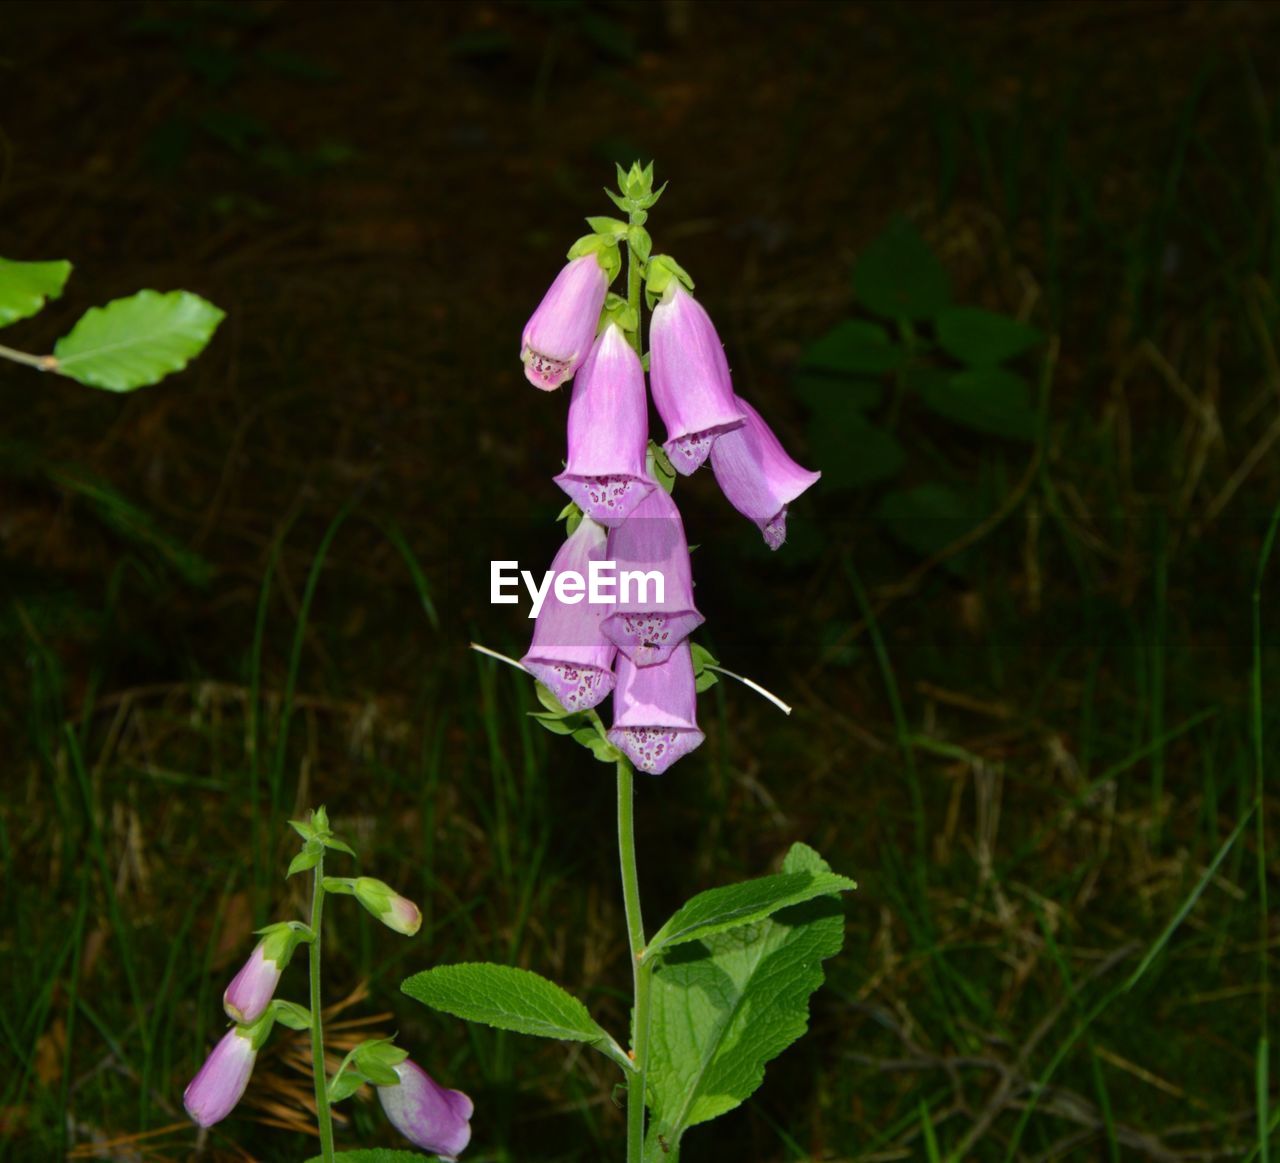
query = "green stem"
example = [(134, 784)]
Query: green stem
[(640, 972), (633, 293), (324, 1116), (45, 363)]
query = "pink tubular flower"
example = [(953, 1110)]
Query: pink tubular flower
[(425, 1113), (559, 333), (247, 997), (608, 431), (655, 712), (689, 376), (757, 476), (215, 1090), (650, 545), (570, 654)]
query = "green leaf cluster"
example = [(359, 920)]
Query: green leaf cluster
[(126, 344), (730, 975), (920, 348), (583, 727), (316, 837)]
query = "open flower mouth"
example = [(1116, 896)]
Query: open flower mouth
[(688, 452), (579, 687), (545, 371), (654, 749), (607, 499), (649, 638)]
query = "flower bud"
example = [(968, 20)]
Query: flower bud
[(655, 711), (608, 431), (570, 654), (689, 377), (757, 476), (559, 333), (221, 1082), (393, 910), (425, 1113), (650, 545), (251, 990)]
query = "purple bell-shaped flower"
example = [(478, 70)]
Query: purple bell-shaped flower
[(655, 711), (689, 378), (608, 431), (757, 476)]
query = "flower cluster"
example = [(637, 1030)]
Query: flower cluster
[(427, 1114), (638, 648)]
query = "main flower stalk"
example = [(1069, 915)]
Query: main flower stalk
[(639, 971), (324, 1117)]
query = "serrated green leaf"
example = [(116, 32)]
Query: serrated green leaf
[(989, 400), (731, 905), (983, 338), (724, 1007), (26, 286), (506, 998), (133, 342), (854, 347), (897, 276)]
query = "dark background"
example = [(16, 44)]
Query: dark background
[(377, 195)]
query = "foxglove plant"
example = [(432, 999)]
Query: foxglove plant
[(424, 1112), (723, 986)]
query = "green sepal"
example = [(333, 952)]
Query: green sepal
[(338, 845), (343, 1085), (571, 515), (621, 201), (258, 1032), (659, 271), (281, 939), (304, 829), (290, 1014), (661, 468), (618, 310), (608, 226), (604, 247), (640, 243), (307, 859), (703, 679), (552, 722), (548, 699), (380, 1050)]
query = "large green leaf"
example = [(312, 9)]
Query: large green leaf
[(989, 400), (25, 286), (508, 999), (133, 342), (734, 905), (897, 276), (983, 338), (723, 1007)]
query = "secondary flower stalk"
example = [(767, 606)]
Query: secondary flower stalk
[(559, 333), (608, 431)]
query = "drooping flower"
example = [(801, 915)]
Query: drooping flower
[(757, 476), (425, 1113), (689, 377), (392, 909), (655, 711), (570, 654), (247, 997), (221, 1081), (608, 431), (559, 333), (654, 610)]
